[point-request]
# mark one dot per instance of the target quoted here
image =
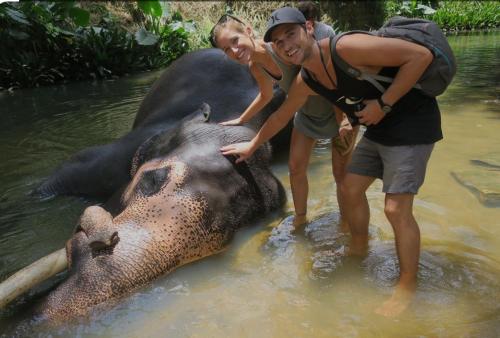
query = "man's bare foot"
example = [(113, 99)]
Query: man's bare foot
[(299, 221), (358, 246), (397, 304)]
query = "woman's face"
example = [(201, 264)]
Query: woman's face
[(238, 45)]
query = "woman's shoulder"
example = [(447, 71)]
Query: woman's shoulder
[(322, 30)]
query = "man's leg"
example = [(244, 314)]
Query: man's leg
[(404, 173), (399, 212), (356, 210), (340, 160), (300, 152)]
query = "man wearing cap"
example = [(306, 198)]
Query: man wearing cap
[(402, 126)]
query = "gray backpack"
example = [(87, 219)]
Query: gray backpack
[(438, 74)]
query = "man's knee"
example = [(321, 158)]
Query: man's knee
[(398, 212)]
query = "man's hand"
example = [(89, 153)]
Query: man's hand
[(242, 151), (234, 122), (371, 114)]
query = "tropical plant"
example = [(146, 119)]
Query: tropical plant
[(48, 42)]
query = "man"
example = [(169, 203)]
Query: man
[(402, 126)]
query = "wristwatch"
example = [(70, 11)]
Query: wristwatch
[(384, 106)]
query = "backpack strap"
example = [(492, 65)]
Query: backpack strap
[(356, 73)]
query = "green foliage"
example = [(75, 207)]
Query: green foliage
[(49, 42), (468, 15), (450, 15)]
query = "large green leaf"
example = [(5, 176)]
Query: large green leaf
[(41, 12), (80, 16), (145, 38), (150, 7), (17, 16), (18, 35)]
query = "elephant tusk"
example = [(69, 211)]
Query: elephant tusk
[(37, 272)]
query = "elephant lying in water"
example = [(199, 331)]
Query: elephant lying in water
[(205, 76), (185, 201), (172, 196)]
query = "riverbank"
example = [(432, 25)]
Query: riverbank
[(46, 43)]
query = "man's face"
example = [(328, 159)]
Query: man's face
[(292, 42)]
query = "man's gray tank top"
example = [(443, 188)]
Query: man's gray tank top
[(315, 118)]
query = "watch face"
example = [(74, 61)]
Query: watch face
[(386, 109)]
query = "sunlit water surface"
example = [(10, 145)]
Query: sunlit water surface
[(270, 283)]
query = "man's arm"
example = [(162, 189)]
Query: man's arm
[(297, 96), (362, 50)]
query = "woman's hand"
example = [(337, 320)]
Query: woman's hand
[(371, 113), (234, 122), (345, 127), (345, 141), (242, 151)]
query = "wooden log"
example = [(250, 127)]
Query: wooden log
[(37, 272)]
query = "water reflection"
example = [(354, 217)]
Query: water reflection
[(271, 282)]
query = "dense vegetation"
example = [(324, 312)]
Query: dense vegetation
[(47, 42), (346, 15), (450, 15)]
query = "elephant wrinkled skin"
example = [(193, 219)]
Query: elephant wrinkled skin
[(175, 197)]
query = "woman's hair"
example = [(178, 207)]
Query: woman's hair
[(309, 9), (223, 22)]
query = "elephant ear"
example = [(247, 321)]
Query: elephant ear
[(202, 114), (205, 110), (143, 153), (154, 145)]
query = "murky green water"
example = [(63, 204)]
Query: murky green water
[(271, 283)]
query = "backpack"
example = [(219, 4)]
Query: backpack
[(438, 74)]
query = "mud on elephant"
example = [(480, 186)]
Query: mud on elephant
[(171, 196)]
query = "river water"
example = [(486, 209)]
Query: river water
[(271, 283)]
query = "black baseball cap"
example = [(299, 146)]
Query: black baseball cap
[(281, 16)]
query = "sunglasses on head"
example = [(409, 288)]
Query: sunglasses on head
[(223, 19)]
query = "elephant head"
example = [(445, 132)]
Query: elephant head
[(184, 202)]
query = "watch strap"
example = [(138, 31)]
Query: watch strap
[(384, 106)]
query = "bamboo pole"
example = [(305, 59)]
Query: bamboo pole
[(33, 274)]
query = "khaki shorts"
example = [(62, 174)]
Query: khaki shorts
[(315, 127), (401, 168)]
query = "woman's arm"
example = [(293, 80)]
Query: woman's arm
[(264, 97), (362, 50), (297, 96)]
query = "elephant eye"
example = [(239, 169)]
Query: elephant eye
[(153, 180)]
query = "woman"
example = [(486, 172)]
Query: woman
[(316, 119)]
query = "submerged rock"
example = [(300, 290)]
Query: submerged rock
[(488, 162), (483, 182)]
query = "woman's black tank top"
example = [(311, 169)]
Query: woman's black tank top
[(414, 119)]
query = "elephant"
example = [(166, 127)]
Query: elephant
[(169, 195), (204, 76)]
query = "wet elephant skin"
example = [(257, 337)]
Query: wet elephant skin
[(205, 76), (180, 200)]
